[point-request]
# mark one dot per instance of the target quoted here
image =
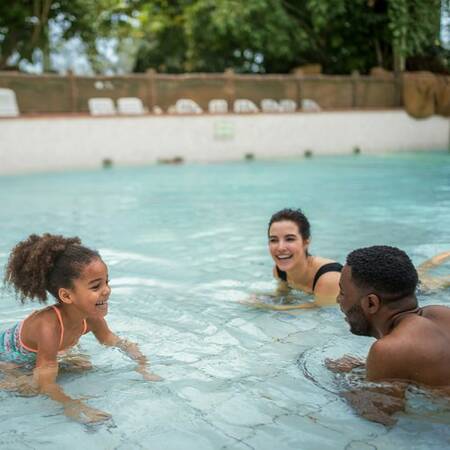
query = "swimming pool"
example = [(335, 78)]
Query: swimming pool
[(184, 244)]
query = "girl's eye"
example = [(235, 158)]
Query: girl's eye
[(96, 287)]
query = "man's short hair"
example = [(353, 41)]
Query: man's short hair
[(387, 270)]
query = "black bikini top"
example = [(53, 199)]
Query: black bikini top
[(329, 267)]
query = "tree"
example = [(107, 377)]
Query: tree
[(278, 35), (25, 26)]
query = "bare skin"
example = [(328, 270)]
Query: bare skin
[(430, 282), (87, 300), (289, 252), (413, 344)]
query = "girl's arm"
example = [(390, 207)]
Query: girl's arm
[(106, 337), (46, 371)]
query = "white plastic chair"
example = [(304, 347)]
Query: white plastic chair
[(130, 105), (218, 106), (310, 105), (243, 105), (269, 105), (288, 106), (101, 106), (187, 106), (8, 103)]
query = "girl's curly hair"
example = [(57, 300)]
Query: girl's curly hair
[(46, 263)]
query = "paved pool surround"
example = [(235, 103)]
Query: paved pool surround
[(36, 144)]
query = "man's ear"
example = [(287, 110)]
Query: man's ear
[(65, 295), (371, 304)]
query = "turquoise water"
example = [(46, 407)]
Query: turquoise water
[(184, 244)]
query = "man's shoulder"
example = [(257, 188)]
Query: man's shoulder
[(432, 322), (390, 358)]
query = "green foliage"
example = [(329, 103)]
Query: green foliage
[(414, 25), (271, 36), (25, 25), (264, 36)]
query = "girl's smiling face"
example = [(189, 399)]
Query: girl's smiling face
[(286, 245), (91, 290)]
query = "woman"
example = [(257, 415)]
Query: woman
[(295, 267)]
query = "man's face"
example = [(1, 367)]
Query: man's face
[(349, 300)]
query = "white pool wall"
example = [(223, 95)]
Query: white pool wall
[(64, 143)]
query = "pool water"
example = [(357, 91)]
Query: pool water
[(184, 245)]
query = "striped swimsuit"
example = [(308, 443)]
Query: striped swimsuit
[(12, 348)]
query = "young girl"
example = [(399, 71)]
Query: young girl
[(77, 278)]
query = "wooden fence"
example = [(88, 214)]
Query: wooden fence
[(60, 94)]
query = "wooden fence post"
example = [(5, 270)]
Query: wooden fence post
[(398, 88), (299, 84), (73, 92), (152, 92), (355, 82), (230, 88)]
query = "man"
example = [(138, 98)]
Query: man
[(377, 296)]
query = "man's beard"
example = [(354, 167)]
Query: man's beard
[(359, 325)]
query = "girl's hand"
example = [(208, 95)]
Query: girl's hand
[(82, 413), (147, 375)]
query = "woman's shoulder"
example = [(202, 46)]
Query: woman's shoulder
[(320, 261)]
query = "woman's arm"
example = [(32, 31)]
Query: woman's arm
[(282, 290), (106, 337), (435, 261), (430, 281)]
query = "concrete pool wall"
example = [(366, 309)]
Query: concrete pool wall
[(34, 144)]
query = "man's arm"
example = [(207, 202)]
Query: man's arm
[(106, 337), (377, 403)]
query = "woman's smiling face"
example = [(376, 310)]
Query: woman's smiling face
[(286, 245)]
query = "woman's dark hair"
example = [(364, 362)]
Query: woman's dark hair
[(387, 270), (46, 263), (294, 215)]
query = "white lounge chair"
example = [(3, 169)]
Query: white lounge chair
[(269, 105), (218, 106), (288, 106), (310, 105), (187, 106), (8, 103), (101, 106), (130, 105), (243, 105)]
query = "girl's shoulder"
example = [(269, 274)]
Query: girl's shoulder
[(42, 321)]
